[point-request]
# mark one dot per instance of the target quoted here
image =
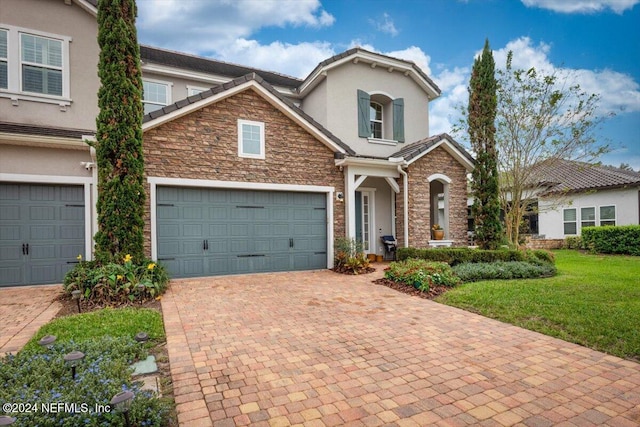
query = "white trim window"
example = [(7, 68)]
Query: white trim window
[(155, 95), (4, 59), (587, 217), (194, 90), (608, 215), (375, 118), (251, 139), (570, 221), (34, 66), (41, 65)]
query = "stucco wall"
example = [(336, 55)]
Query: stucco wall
[(203, 145), (437, 161), (340, 98), (550, 216), (56, 18), (43, 161)]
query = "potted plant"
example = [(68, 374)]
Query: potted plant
[(438, 232)]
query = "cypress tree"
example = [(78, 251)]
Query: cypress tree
[(481, 126), (121, 194)]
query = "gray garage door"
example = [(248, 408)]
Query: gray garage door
[(207, 232), (41, 232)]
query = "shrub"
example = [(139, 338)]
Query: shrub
[(455, 256), (472, 272), (573, 242), (349, 256), (115, 283), (623, 240), (421, 274), (41, 376)]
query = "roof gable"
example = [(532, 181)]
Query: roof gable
[(359, 55), (256, 83), (417, 150)]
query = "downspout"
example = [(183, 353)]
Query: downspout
[(405, 199)]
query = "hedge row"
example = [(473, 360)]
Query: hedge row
[(473, 272), (455, 256), (623, 240)]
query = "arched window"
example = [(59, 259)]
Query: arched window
[(375, 118)]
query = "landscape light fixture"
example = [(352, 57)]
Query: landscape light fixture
[(6, 420), (76, 296), (141, 337), (73, 359), (122, 402), (47, 341)]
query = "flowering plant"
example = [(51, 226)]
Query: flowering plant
[(436, 227)]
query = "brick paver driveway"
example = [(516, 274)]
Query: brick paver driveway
[(23, 310), (318, 348)]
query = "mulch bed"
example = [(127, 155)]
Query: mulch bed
[(70, 306), (344, 270), (410, 290)]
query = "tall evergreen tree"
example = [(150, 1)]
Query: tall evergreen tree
[(121, 194), (481, 126)]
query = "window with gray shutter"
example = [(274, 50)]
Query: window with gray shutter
[(364, 126), (398, 119)]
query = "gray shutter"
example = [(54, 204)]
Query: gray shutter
[(398, 120), (364, 123)]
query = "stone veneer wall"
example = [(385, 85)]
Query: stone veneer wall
[(544, 243), (204, 145), (437, 161)]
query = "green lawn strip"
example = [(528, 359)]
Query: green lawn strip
[(593, 301), (117, 323), (40, 375)]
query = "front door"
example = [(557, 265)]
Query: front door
[(365, 219)]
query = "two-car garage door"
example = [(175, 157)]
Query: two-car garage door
[(210, 231)]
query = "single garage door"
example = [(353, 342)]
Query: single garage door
[(207, 232), (41, 232)]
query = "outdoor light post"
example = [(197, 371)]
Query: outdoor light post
[(6, 420), (122, 402), (76, 296), (141, 337), (72, 359), (47, 341)]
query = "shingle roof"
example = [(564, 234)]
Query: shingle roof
[(571, 176), (359, 49), (237, 82), (22, 129), (414, 149), (211, 66)]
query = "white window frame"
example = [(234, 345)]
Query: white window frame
[(575, 221), (14, 68), (168, 86), (615, 214), (197, 90), (5, 59), (595, 218), (381, 121), (241, 152)]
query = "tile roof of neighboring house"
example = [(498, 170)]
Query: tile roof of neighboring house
[(211, 66), (571, 176), (22, 129), (359, 49), (416, 148), (237, 82)]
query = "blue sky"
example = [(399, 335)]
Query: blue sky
[(598, 41)]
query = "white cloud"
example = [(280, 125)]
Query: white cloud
[(386, 25), (619, 93), (582, 6), (197, 26)]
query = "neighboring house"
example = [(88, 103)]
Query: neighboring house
[(578, 195), (246, 170)]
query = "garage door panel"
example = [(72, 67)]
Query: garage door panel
[(168, 212), (168, 230), (193, 212), (192, 247), (42, 231), (193, 267), (246, 231), (192, 230), (169, 248)]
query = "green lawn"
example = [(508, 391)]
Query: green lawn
[(593, 301)]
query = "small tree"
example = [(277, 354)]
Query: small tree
[(481, 127), (540, 118), (121, 194)]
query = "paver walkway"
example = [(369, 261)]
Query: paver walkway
[(23, 310), (322, 349)]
